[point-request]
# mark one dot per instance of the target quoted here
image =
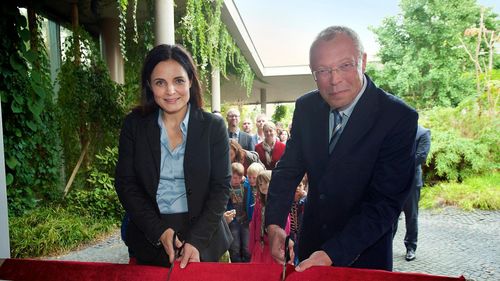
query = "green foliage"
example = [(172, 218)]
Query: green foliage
[(54, 230), (134, 45), (88, 99), (205, 35), (29, 117), (100, 198), (421, 52), (464, 142), (473, 193), (279, 113)]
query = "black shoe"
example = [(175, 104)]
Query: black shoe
[(410, 255)]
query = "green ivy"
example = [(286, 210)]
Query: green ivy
[(198, 27), (205, 35), (90, 111), (134, 45), (31, 141)]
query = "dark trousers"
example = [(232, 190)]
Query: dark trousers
[(239, 250), (410, 209)]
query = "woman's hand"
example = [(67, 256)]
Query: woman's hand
[(166, 239), (189, 254)]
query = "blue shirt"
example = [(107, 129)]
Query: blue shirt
[(171, 193)]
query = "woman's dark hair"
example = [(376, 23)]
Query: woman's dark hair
[(161, 53)]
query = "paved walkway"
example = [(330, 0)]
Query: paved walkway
[(451, 243)]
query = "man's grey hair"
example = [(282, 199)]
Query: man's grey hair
[(233, 111), (331, 32)]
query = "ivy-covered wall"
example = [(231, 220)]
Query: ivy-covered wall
[(32, 146)]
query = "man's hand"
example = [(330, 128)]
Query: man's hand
[(277, 237), (316, 258)]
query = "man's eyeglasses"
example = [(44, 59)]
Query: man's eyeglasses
[(326, 73), (233, 116)]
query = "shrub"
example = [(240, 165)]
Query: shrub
[(100, 198), (464, 142), (54, 230)]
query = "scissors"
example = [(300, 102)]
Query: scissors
[(287, 257), (177, 252)]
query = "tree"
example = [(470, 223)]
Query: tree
[(421, 54), (482, 54)]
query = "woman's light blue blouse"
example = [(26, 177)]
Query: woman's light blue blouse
[(171, 194)]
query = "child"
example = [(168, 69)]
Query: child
[(237, 215), (251, 184), (259, 241), (296, 213)]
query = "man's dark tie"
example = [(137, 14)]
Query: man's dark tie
[(232, 135), (337, 125)]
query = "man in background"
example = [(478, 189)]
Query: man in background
[(410, 208), (247, 126), (233, 124)]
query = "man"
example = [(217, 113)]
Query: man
[(247, 126), (259, 123), (233, 121), (357, 190), (410, 208)]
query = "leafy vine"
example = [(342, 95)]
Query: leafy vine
[(29, 117), (205, 35), (199, 28)]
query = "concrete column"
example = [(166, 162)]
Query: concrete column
[(263, 100), (164, 22), (215, 89), (4, 218), (54, 54), (110, 39)]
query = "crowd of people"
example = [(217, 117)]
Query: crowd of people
[(193, 187), (251, 172)]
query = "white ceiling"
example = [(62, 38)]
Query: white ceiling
[(281, 83)]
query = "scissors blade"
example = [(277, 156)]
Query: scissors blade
[(287, 257), (170, 271), (175, 256)]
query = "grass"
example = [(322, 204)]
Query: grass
[(473, 193), (54, 230)]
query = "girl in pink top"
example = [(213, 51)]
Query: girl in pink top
[(259, 241)]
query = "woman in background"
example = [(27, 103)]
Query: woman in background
[(271, 149)]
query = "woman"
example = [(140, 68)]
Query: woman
[(238, 154), (173, 169), (270, 150), (284, 136)]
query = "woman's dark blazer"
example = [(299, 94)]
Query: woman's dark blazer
[(206, 171)]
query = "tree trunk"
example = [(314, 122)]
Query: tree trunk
[(77, 167)]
